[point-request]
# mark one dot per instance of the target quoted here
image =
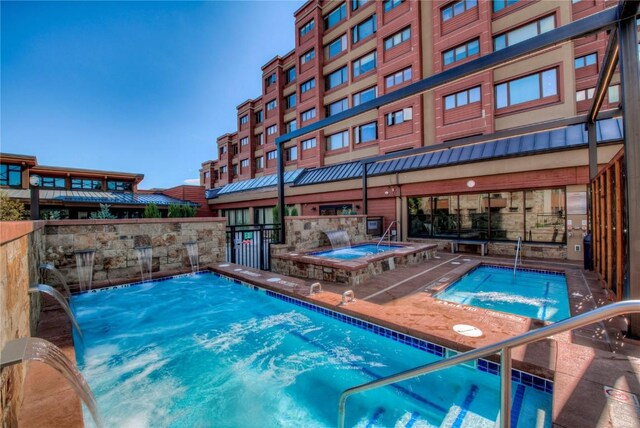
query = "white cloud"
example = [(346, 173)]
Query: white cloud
[(192, 181)]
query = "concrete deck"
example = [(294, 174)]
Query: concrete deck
[(581, 363)]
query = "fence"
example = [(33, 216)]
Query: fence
[(249, 245)]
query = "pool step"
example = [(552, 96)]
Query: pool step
[(380, 418), (467, 410)]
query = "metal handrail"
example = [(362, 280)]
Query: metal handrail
[(388, 231), (504, 347), (518, 251)]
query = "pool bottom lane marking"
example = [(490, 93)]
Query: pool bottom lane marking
[(517, 405), (473, 391), (407, 279)]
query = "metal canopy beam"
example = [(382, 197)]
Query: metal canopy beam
[(580, 28), (630, 77)]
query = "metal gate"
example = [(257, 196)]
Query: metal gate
[(250, 245)]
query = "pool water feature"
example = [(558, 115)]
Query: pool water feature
[(273, 363), (530, 293), (356, 252)]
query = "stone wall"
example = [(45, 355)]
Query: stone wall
[(21, 252), (115, 242), (507, 249), (307, 232)]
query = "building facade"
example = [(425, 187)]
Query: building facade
[(349, 52)]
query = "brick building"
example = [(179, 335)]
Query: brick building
[(347, 53)]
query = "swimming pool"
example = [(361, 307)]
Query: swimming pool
[(531, 293), (356, 251), (201, 350)]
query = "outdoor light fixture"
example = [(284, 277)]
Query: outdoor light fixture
[(471, 183), (34, 181)]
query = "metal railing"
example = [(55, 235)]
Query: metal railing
[(504, 348), (387, 232), (518, 252)]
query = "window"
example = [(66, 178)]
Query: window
[(398, 78), (244, 163), (498, 5), (10, 175), (306, 28), (525, 32), (272, 129), (367, 132), (52, 182), (270, 80), (461, 52), (259, 116), (586, 60), (335, 16), (85, 183), (457, 8), (338, 141), (234, 170), (308, 85), (260, 162), (223, 169), (364, 96), (271, 105), (357, 4), (119, 185), (336, 78), (291, 126), (290, 75), (244, 119), (337, 107), (244, 141), (308, 114), (290, 101), (364, 29), (336, 47), (260, 139), (307, 56), (585, 94), (235, 149), (399, 116), (364, 64), (308, 144), (291, 154), (392, 4), (614, 94), (462, 98), (273, 154), (529, 88), (237, 216), (397, 38), (223, 150)]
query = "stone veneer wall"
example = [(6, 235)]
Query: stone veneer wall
[(533, 250), (306, 232), (21, 251), (115, 241)]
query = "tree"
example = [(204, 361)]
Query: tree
[(275, 212), (103, 214), (293, 212), (151, 211), (11, 209), (181, 211)]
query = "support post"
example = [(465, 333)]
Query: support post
[(630, 77), (505, 388), (593, 150), (281, 207), (35, 203), (365, 198)]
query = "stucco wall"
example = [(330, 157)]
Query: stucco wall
[(307, 232), (115, 241), (21, 251)]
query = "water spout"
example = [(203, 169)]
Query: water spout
[(192, 251), (338, 238), (84, 266), (49, 267), (44, 288), (35, 349), (145, 261)]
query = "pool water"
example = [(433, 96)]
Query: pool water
[(356, 251), (203, 351), (531, 294)]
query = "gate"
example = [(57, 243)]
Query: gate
[(250, 245)]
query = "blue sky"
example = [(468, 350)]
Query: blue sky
[(143, 87)]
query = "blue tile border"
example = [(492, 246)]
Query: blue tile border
[(521, 269), (517, 376)]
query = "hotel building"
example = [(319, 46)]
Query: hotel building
[(482, 180)]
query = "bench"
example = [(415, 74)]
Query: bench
[(455, 243)]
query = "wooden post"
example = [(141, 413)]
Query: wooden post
[(603, 232), (595, 231), (609, 227), (619, 228)]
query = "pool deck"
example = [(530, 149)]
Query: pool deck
[(582, 363)]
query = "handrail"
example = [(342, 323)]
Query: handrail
[(505, 346), (518, 251), (388, 231)]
